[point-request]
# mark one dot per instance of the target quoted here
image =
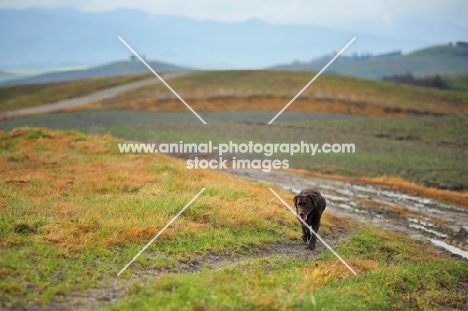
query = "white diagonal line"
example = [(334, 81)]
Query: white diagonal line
[(315, 233), (160, 232), (162, 80), (313, 79)]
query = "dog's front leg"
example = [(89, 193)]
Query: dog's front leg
[(313, 240), (305, 233)]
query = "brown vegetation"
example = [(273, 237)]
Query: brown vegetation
[(57, 173), (260, 103)]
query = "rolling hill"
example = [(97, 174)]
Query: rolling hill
[(252, 90), (112, 69), (270, 90), (446, 60)]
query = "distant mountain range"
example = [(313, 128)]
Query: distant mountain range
[(447, 60), (67, 37), (113, 69)]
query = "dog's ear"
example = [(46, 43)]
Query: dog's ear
[(323, 203), (314, 198), (295, 200)]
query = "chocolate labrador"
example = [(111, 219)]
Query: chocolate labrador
[(310, 205)]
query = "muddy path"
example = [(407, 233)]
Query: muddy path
[(441, 224)]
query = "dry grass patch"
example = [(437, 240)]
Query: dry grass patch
[(90, 194)]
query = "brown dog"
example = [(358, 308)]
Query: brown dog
[(310, 205)]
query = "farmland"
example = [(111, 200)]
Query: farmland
[(74, 210)]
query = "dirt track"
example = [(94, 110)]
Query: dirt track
[(73, 102), (441, 224), (110, 292)]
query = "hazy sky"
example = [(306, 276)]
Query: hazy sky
[(336, 13)]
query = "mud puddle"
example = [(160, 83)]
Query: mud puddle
[(443, 225)]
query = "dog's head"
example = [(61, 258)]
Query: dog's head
[(306, 203)]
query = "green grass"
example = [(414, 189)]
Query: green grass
[(394, 273), (86, 211), (32, 95)]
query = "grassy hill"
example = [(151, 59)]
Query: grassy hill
[(73, 212), (272, 90), (108, 70), (444, 60), (253, 90)]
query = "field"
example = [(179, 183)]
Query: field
[(421, 149), (73, 212)]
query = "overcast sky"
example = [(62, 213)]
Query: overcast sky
[(336, 13)]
